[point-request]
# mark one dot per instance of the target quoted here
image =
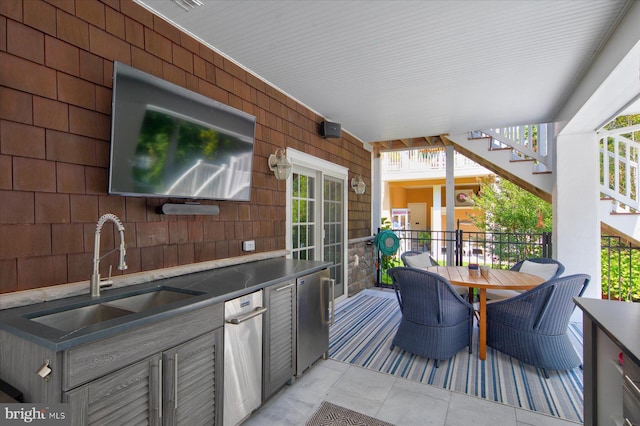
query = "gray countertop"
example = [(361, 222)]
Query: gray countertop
[(215, 285), (617, 319)]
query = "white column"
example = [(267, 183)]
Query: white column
[(576, 222), (377, 193), (436, 217), (450, 186)]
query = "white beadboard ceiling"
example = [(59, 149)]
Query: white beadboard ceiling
[(400, 69)]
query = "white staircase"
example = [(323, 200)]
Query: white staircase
[(620, 181), (508, 152), (503, 161), (619, 222)]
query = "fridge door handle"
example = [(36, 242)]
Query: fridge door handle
[(332, 293), (242, 318)]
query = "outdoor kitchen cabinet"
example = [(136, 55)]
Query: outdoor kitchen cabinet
[(279, 334), (132, 372), (177, 386), (611, 392), (127, 396)]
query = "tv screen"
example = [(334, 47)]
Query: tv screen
[(167, 141)]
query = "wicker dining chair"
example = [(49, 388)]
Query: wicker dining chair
[(532, 326), (541, 266), (436, 322), (419, 259)]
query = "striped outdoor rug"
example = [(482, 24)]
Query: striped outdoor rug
[(365, 326)]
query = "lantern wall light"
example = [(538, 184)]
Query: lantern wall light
[(280, 165), (358, 185)]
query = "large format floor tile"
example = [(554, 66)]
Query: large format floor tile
[(394, 400)]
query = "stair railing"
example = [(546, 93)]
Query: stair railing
[(619, 177), (529, 141)]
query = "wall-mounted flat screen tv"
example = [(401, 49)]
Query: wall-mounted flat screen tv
[(167, 141)]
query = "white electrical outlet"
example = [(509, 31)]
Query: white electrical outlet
[(356, 260), (249, 245)]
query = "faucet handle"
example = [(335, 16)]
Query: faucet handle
[(122, 265)]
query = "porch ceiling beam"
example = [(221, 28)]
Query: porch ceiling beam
[(399, 144)]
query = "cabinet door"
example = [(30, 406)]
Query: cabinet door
[(192, 379), (279, 352), (129, 396)]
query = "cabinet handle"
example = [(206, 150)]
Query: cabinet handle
[(242, 318), (632, 383), (159, 378), (175, 385), (285, 287)]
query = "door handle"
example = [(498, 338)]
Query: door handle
[(242, 318), (333, 300), (332, 294)]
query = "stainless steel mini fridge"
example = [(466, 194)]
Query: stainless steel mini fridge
[(315, 303), (242, 357)]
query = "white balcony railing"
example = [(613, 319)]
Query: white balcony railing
[(425, 161), (619, 177)]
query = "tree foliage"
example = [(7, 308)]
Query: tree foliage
[(505, 207), (513, 220)]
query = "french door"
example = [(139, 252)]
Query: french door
[(317, 215)]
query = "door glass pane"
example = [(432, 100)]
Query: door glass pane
[(303, 217), (317, 223), (333, 229), (295, 236)]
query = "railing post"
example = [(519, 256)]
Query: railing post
[(630, 281), (546, 245), (458, 239), (378, 265)]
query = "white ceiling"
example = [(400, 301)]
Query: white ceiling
[(399, 69)]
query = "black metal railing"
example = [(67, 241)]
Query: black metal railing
[(620, 263), (620, 259), (497, 250)]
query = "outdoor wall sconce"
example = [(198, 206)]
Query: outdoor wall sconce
[(358, 185), (280, 165)]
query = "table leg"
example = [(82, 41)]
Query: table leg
[(482, 340)]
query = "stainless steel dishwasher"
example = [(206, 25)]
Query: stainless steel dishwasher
[(242, 357)]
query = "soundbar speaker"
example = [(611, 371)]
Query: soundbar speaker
[(203, 209)]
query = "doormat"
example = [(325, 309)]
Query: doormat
[(332, 415)]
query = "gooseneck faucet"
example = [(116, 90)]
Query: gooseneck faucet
[(95, 277)]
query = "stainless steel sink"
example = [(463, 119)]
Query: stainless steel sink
[(152, 299), (74, 319), (77, 318)]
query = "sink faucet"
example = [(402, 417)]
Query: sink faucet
[(95, 277)]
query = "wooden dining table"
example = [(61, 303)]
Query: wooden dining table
[(497, 279)]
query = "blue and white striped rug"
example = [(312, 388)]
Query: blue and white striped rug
[(365, 326)]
